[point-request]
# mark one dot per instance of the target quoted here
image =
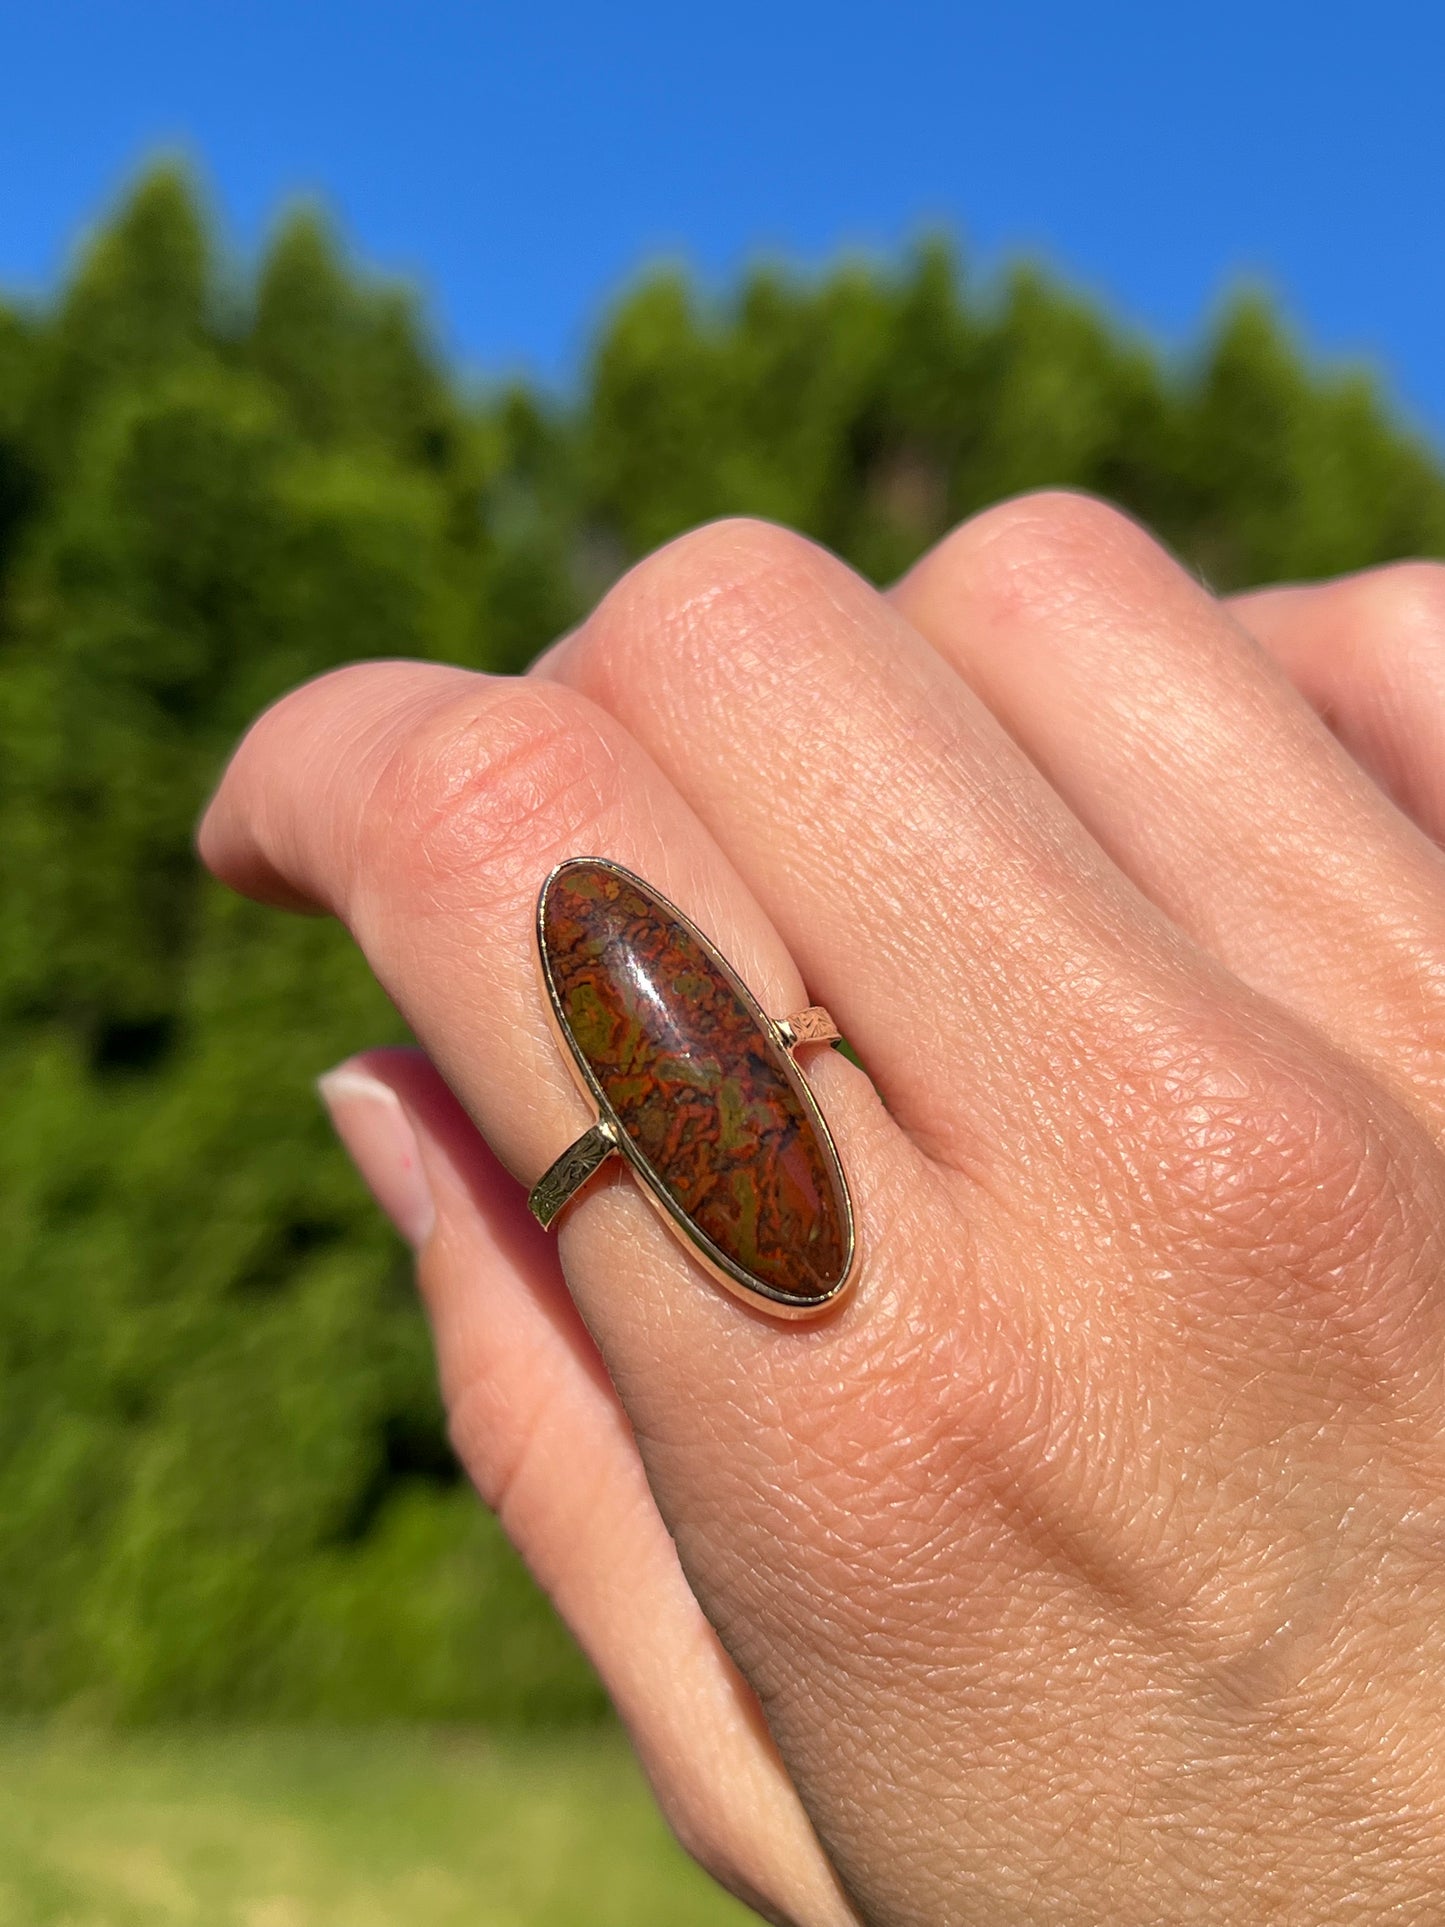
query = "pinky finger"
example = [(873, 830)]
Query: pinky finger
[(1368, 652), (544, 1438)]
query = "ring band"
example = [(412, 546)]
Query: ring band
[(695, 1087)]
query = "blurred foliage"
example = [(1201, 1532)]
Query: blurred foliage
[(224, 1483)]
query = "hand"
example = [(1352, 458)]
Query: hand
[(1089, 1564)]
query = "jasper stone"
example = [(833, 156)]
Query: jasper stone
[(706, 1095)]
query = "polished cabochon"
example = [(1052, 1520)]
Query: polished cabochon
[(703, 1097)]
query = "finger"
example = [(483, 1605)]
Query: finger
[(1368, 653), (1201, 769), (939, 898), (935, 888), (539, 1429), (425, 805)]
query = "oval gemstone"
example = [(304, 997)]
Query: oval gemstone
[(704, 1092)]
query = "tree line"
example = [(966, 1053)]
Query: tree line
[(225, 1487)]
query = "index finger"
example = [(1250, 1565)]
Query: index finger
[(424, 805)]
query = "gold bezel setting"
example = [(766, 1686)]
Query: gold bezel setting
[(784, 1038)]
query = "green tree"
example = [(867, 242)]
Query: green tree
[(224, 1483)]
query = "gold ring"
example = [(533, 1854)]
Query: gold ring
[(696, 1087)]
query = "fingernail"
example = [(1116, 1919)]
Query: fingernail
[(376, 1130)]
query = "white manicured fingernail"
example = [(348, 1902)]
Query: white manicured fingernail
[(374, 1127)]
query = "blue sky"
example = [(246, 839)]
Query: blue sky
[(522, 160)]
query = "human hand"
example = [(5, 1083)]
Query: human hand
[(1088, 1564)]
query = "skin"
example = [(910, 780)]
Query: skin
[(1088, 1566)]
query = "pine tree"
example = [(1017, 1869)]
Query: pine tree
[(224, 1484)]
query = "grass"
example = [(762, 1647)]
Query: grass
[(372, 1828)]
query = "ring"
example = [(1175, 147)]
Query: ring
[(696, 1087)]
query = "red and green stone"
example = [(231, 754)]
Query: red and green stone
[(703, 1091)]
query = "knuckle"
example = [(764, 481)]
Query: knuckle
[(493, 781), (1407, 599), (1262, 1167), (1398, 621), (726, 592), (1037, 552)]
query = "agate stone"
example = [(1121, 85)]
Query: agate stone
[(717, 1118)]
